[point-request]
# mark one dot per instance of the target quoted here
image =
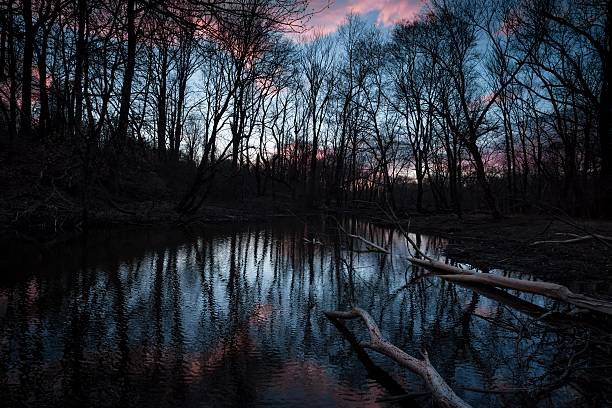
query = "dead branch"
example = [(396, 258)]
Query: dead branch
[(362, 239), (392, 217), (551, 290), (376, 373), (439, 389), (496, 390), (314, 241), (576, 239), (117, 207), (369, 243), (408, 395), (536, 312), (565, 220)]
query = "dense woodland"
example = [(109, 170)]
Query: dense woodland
[(501, 106)]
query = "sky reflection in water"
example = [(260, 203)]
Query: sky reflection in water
[(232, 316)]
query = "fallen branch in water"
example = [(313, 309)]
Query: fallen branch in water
[(369, 243), (440, 390), (536, 312), (362, 239), (393, 218), (577, 238), (376, 373), (551, 290)]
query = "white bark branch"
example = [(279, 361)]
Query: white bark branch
[(551, 290), (434, 382), (369, 243)]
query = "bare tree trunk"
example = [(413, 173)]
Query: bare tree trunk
[(12, 71), (43, 119), (161, 104), (6, 26), (128, 76), (178, 124), (313, 155), (80, 62), (483, 181), (26, 82), (604, 125), (419, 176)]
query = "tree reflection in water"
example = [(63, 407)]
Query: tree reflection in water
[(232, 315)]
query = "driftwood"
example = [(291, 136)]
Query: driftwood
[(551, 290), (440, 390), (375, 373)]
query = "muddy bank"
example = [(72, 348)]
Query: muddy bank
[(508, 244), (43, 223)]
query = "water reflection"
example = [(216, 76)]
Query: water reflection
[(232, 316)]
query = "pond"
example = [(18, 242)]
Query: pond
[(232, 315)]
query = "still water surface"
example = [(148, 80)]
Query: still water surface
[(232, 316)]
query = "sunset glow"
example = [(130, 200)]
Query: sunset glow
[(385, 12)]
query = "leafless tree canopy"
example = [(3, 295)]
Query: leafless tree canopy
[(502, 106)]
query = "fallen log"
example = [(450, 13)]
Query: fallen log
[(440, 390), (536, 312), (374, 372), (550, 290)]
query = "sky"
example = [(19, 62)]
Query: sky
[(384, 12)]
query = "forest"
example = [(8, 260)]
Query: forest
[(305, 203), (471, 106)]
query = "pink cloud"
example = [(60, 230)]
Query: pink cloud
[(386, 12), (393, 11)]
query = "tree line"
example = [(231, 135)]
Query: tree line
[(492, 105)]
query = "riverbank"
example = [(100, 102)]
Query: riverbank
[(509, 244), (475, 239), (44, 222)]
